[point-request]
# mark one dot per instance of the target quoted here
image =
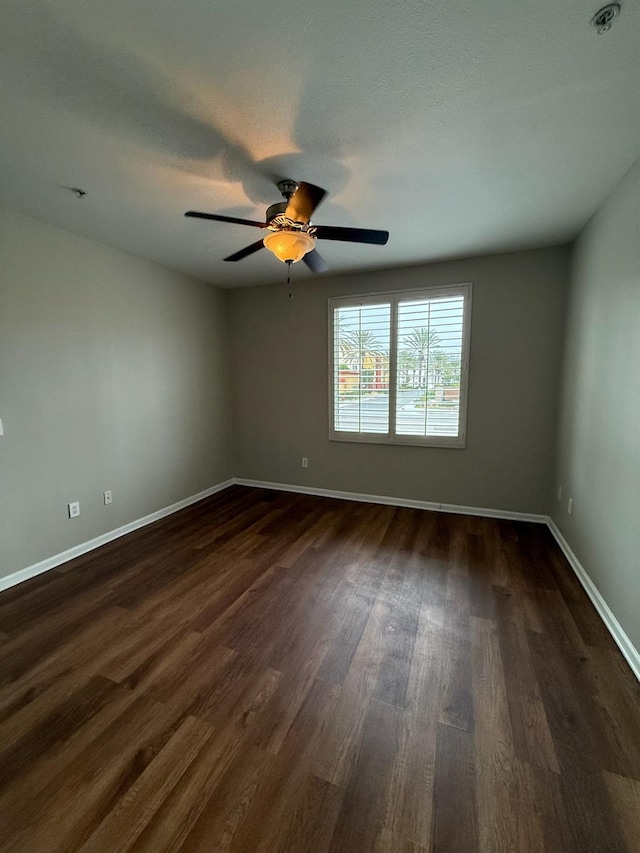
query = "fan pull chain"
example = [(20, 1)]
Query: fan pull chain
[(289, 276)]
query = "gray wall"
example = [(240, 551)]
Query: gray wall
[(279, 368), (113, 375), (599, 444)]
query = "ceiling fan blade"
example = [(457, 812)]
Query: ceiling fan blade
[(217, 218), (244, 253), (352, 235), (315, 261), (304, 201)]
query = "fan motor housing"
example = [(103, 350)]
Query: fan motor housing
[(276, 210), (277, 220)]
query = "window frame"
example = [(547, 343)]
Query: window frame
[(394, 298)]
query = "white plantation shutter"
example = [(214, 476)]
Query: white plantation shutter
[(399, 365), (429, 345), (362, 335)]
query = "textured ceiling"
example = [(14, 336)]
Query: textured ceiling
[(461, 126)]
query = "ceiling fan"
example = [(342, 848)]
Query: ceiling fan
[(292, 237)]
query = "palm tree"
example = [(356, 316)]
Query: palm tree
[(361, 351), (422, 343), (451, 372), (442, 368), (407, 364), (357, 345)]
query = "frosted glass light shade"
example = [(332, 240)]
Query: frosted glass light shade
[(289, 245)]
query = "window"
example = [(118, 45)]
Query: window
[(399, 364)]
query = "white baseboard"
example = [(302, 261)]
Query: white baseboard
[(631, 654), (392, 501), (77, 550)]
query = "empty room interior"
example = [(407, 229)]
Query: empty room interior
[(320, 426)]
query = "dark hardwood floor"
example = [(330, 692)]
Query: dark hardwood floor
[(274, 672)]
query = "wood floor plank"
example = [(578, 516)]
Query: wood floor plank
[(342, 739), (268, 671), (313, 818), (30, 792), (399, 635), (579, 745), (294, 687), (220, 813), (592, 630), (262, 828), (82, 653), (426, 568), (409, 813), (412, 847), (200, 786), (616, 700), (128, 818), (455, 824), (352, 614), (547, 790), (361, 820), (527, 717), (507, 818), (481, 577), (54, 729), (104, 769), (456, 702), (625, 794), (53, 632)]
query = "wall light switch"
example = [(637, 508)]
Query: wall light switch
[(570, 506), (305, 462), (107, 496), (1, 427), (74, 509)]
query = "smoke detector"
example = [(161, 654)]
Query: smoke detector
[(602, 21)]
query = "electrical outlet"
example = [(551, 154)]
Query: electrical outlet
[(74, 509), (305, 462), (570, 506), (107, 496), (559, 493)]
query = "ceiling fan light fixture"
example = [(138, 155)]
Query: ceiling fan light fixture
[(291, 236), (289, 245)]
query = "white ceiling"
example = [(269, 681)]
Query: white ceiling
[(461, 126)]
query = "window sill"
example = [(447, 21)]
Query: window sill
[(449, 442)]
